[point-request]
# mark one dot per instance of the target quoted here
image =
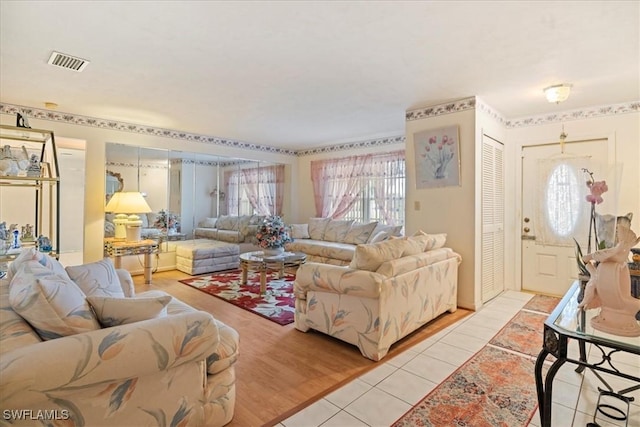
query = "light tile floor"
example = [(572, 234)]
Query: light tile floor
[(384, 394)]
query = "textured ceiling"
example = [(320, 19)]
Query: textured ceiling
[(305, 74)]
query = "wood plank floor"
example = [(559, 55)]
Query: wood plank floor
[(280, 369)]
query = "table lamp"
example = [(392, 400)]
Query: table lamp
[(126, 204)]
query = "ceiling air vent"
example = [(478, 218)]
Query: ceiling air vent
[(67, 61)]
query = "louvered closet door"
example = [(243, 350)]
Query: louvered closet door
[(492, 218)]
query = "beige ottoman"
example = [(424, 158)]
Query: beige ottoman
[(205, 256)]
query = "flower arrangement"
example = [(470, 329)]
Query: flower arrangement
[(166, 220), (272, 233)]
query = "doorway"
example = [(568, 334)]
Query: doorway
[(554, 210)]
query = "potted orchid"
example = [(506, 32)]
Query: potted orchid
[(596, 190), (272, 234)]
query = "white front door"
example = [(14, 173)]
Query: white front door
[(554, 211)]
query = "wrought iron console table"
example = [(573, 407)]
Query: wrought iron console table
[(569, 322)]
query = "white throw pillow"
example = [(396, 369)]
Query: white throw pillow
[(51, 303), (387, 230), (299, 231), (97, 278), (317, 227), (360, 233), (32, 254), (431, 241), (208, 223), (337, 229), (120, 311), (371, 255)]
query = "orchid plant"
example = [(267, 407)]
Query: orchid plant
[(596, 190)]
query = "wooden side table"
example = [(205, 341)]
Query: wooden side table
[(119, 248)]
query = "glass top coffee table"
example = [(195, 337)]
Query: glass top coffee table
[(257, 261)]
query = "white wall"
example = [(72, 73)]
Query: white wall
[(448, 210)]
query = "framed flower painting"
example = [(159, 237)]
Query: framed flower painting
[(437, 155)]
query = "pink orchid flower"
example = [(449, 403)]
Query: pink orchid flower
[(597, 189)]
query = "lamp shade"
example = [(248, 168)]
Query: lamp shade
[(130, 202), (557, 93)]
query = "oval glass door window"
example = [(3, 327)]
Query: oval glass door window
[(563, 200)]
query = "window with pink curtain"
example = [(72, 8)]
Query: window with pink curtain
[(255, 190), (364, 188)]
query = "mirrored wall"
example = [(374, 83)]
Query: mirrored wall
[(194, 186)]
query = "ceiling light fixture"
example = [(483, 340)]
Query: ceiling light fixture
[(557, 93), (50, 105)]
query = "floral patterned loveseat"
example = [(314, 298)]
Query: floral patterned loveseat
[(331, 241), (127, 360), (231, 229), (389, 290)]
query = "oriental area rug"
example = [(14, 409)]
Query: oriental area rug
[(479, 393), (277, 305)]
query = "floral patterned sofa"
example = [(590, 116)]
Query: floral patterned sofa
[(230, 229), (127, 360), (389, 290), (331, 241)]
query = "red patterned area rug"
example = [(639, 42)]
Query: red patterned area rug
[(522, 334), (278, 305), (479, 394), (542, 303)]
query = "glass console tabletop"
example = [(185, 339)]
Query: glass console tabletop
[(569, 322)]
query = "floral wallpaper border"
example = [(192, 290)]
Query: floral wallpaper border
[(542, 119), (77, 119), (416, 114), (440, 109), (351, 145)]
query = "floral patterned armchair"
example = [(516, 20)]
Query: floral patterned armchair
[(172, 369)]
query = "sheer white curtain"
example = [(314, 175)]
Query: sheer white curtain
[(232, 185), (337, 184), (388, 190), (562, 210), (264, 187)]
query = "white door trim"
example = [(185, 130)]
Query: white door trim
[(517, 239)]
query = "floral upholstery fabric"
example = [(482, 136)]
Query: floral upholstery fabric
[(299, 231), (32, 254), (97, 278), (360, 233), (52, 304), (432, 241), (409, 263), (321, 248), (370, 256), (229, 228), (208, 223), (120, 311), (14, 331), (373, 310), (227, 222), (317, 226), (152, 372), (336, 230)]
